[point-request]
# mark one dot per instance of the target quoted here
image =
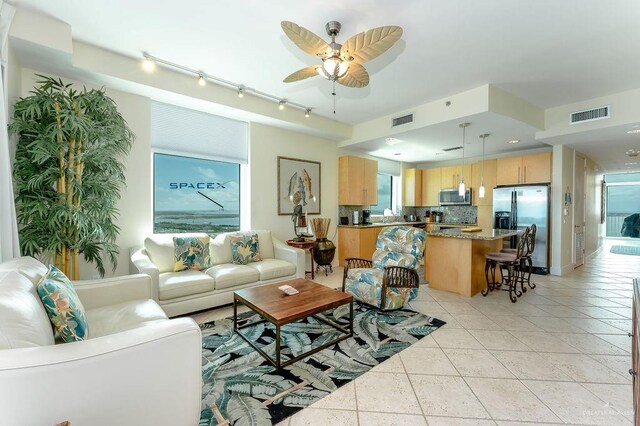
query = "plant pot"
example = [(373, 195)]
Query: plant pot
[(323, 252)]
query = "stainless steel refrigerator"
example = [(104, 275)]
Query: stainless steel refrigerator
[(517, 207)]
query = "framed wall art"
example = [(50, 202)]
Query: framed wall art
[(298, 185)]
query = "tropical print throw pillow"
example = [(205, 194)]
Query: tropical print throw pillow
[(191, 253), (245, 248), (63, 306)]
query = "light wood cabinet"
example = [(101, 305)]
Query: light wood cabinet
[(412, 187), (357, 242), (489, 179), (535, 168), (431, 184), (485, 217), (450, 176), (357, 181)]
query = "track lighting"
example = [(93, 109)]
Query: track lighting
[(148, 64)]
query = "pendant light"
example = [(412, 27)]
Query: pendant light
[(481, 189), (462, 189)]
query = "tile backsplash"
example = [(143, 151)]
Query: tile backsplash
[(451, 214)]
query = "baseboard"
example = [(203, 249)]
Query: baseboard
[(560, 271), (596, 252)]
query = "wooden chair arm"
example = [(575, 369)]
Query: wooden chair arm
[(354, 262), (400, 277)]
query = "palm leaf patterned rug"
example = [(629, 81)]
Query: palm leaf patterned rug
[(241, 388)]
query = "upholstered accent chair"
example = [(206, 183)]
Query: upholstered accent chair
[(390, 279)]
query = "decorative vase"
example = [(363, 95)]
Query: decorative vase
[(323, 252)]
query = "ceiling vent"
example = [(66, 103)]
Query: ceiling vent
[(590, 115), (455, 148), (399, 121)]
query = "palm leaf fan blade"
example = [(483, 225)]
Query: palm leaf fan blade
[(305, 39), (366, 46), (356, 77), (302, 74)]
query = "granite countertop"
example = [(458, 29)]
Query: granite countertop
[(485, 234)]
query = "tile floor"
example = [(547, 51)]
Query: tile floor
[(559, 355)]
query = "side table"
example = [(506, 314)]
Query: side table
[(305, 245)]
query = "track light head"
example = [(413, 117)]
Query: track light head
[(240, 92), (281, 104), (201, 80), (148, 64), (307, 112)]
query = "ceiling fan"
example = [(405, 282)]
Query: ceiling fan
[(340, 63)]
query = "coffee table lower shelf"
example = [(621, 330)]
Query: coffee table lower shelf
[(277, 362)]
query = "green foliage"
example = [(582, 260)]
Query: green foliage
[(78, 135)]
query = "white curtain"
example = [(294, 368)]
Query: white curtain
[(9, 246)]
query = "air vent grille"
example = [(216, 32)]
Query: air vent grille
[(455, 148), (399, 121), (590, 115)]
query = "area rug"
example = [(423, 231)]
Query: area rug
[(630, 250), (241, 388)]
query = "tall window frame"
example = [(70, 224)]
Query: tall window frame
[(198, 192)]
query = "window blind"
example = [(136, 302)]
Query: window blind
[(195, 133)]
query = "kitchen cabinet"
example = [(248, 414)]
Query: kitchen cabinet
[(431, 184), (535, 168), (450, 176), (357, 181), (490, 167), (357, 242), (485, 217), (412, 187)]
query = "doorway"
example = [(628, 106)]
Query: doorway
[(623, 206), (580, 171)]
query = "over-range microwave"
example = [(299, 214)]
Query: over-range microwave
[(451, 197)]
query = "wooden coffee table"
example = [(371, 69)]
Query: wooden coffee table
[(279, 309)]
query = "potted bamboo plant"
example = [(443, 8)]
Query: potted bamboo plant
[(68, 174)]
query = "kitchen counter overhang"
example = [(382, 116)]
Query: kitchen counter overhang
[(485, 234)]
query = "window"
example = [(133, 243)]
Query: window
[(385, 194), (195, 195), (623, 205)]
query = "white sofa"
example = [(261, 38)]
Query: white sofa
[(137, 367), (189, 291)]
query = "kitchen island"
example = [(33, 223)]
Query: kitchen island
[(454, 260)]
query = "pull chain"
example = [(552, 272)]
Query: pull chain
[(334, 97)]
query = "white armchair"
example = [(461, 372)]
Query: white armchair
[(136, 368)]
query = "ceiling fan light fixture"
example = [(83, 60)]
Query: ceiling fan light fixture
[(333, 68)]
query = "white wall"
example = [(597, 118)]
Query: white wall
[(266, 144)]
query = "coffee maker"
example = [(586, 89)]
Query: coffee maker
[(366, 217)]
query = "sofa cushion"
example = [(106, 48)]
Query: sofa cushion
[(220, 249), (123, 316), (229, 275), (63, 306), (191, 253), (273, 268), (23, 320), (31, 268), (161, 250), (245, 248), (185, 283), (266, 244)]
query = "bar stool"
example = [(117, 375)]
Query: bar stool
[(530, 233), (508, 262)]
